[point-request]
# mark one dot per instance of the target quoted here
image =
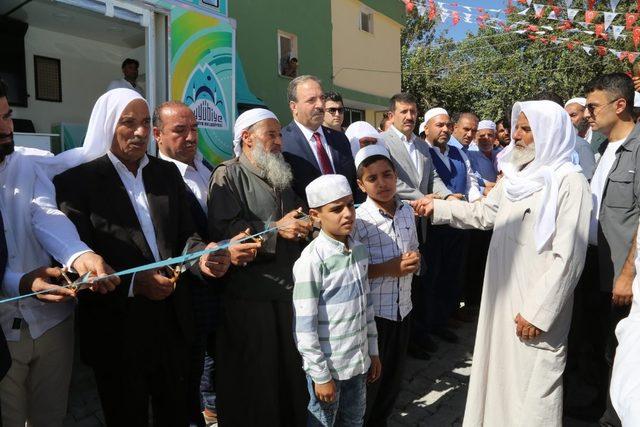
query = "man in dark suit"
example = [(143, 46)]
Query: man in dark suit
[(133, 209), (310, 148)]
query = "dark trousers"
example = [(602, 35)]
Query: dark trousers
[(259, 374), (393, 339), (196, 372), (126, 389), (445, 252), (477, 251)]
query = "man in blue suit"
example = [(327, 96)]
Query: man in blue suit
[(310, 148)]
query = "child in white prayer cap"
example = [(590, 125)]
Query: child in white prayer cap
[(334, 327)]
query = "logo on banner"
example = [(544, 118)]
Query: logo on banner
[(203, 95)]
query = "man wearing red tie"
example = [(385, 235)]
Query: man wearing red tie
[(310, 148)]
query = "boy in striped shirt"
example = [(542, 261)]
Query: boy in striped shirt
[(334, 327)]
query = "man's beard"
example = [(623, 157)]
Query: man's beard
[(582, 127), (277, 170), (521, 157), (8, 147)]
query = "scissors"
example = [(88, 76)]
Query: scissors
[(180, 268), (77, 285)]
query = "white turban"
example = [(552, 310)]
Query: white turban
[(421, 127), (580, 101), (636, 99), (100, 131), (245, 121), (555, 139), (326, 189), (486, 124), (434, 112), (357, 130)]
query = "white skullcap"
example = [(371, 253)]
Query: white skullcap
[(245, 121), (434, 112), (326, 189), (421, 127), (581, 101), (357, 130), (486, 124), (370, 150), (636, 100)]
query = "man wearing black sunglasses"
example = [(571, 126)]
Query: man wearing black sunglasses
[(615, 188), (333, 111)]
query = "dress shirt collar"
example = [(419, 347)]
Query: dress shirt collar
[(371, 206), (183, 167), (308, 133), (402, 136), (334, 244), (120, 166)]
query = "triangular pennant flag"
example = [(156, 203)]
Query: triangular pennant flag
[(608, 19), (602, 51), (524, 11), (552, 15), (588, 32), (571, 13), (636, 36), (468, 8), (444, 16), (613, 4), (631, 56), (546, 27), (455, 17), (589, 16), (520, 31), (568, 3), (587, 49), (422, 9), (539, 8), (616, 53), (441, 4), (599, 30), (467, 18), (529, 2), (630, 20), (617, 30)]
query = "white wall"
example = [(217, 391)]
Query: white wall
[(87, 67)]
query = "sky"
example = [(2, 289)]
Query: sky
[(459, 31)]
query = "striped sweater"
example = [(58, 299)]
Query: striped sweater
[(334, 327)]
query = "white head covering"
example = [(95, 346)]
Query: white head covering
[(421, 127), (486, 124), (245, 121), (361, 129), (434, 112), (555, 139), (370, 150), (636, 100), (102, 126), (327, 188), (581, 101)]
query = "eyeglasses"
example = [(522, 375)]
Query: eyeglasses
[(592, 108), (332, 110)]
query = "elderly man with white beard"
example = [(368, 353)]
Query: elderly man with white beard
[(259, 366), (539, 213)]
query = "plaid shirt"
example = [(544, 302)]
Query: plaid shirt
[(334, 327), (386, 238)]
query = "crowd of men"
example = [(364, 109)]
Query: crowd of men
[(310, 322)]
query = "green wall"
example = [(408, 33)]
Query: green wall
[(394, 9), (258, 22)]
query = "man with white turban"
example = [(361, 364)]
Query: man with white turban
[(539, 213), (260, 378), (360, 134), (576, 107), (39, 330), (133, 209)]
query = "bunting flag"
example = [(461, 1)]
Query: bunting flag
[(631, 56), (589, 16), (553, 15), (529, 2), (599, 30), (630, 20), (539, 8), (565, 26), (617, 30), (455, 17), (608, 19), (591, 4), (587, 48), (444, 14), (568, 3), (613, 4), (571, 46), (467, 18), (602, 51), (571, 13), (636, 36), (524, 11)]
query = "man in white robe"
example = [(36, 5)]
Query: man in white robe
[(539, 213)]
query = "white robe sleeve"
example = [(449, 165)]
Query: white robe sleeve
[(550, 292), (465, 215)]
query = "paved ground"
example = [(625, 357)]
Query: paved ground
[(433, 394)]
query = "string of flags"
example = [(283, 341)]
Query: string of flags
[(567, 18)]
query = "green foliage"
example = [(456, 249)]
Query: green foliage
[(488, 71)]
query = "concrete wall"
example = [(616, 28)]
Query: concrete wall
[(379, 53), (86, 66)]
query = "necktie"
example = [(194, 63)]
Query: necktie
[(325, 163)]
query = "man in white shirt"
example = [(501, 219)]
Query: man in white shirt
[(130, 76), (39, 332), (464, 131)]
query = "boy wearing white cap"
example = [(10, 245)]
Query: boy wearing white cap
[(387, 227), (334, 327)]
